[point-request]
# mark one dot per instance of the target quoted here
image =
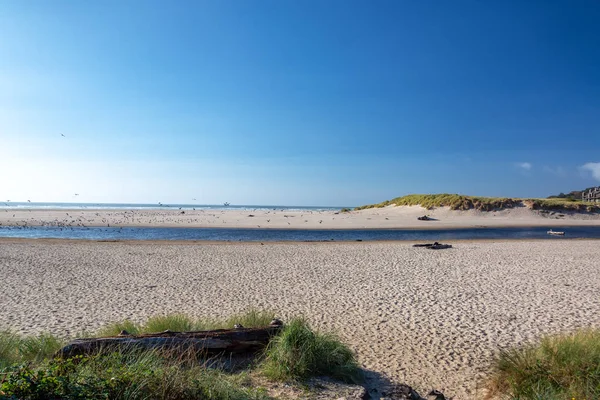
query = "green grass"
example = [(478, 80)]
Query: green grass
[(15, 348), (559, 367), (27, 370), (462, 202), (131, 376), (113, 329), (299, 353), (175, 322), (180, 323)]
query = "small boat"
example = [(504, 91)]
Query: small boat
[(551, 232)]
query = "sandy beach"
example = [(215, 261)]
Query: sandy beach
[(376, 218), (425, 318)]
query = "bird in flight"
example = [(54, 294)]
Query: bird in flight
[(76, 194), (62, 135)]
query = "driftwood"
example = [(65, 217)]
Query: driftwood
[(434, 246), (239, 340)]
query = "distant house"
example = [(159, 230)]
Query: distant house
[(592, 195)]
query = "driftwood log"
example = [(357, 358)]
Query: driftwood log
[(434, 246), (239, 340)]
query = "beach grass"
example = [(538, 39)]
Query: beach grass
[(299, 353), (463, 202), (559, 367), (28, 369), (17, 349), (113, 329), (183, 323), (124, 375)]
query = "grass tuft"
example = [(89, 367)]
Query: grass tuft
[(559, 367), (172, 322), (9, 344), (298, 353), (17, 349), (250, 319), (115, 328)]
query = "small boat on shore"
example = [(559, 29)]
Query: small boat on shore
[(551, 232)]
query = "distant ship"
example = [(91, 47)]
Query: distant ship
[(226, 204)]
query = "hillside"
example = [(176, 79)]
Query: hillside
[(463, 202)]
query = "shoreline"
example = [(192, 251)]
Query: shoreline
[(570, 224), (386, 218)]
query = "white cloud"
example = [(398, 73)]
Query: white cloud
[(524, 165), (558, 171), (594, 168)]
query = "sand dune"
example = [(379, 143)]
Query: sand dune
[(422, 317), (382, 218)]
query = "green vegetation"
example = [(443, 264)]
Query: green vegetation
[(181, 323), (560, 367), (575, 195), (27, 370), (17, 349), (123, 376), (299, 353), (462, 202)]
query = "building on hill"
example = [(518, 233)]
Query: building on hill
[(592, 194)]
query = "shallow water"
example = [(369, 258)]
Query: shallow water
[(255, 235)]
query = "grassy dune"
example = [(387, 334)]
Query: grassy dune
[(462, 202), (28, 371)]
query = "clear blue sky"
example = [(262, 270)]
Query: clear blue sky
[(297, 102)]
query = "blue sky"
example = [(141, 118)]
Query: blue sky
[(297, 102)]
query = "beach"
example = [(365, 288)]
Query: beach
[(422, 317), (391, 217)]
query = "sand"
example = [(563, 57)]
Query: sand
[(378, 218), (422, 317)]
